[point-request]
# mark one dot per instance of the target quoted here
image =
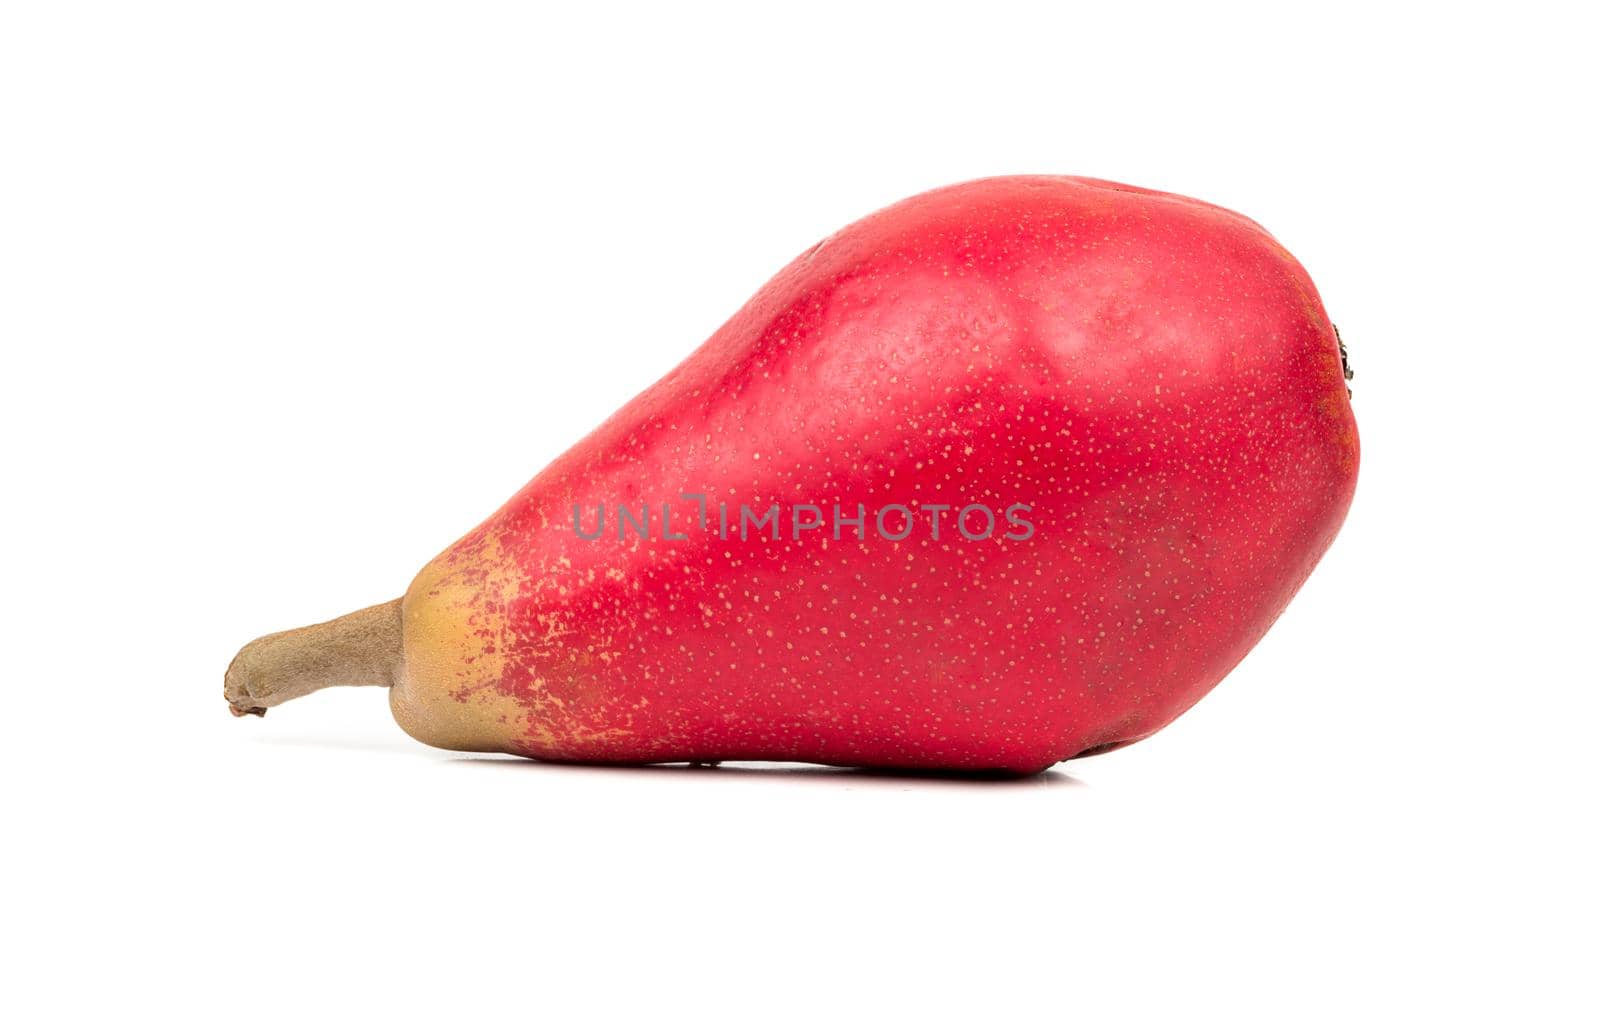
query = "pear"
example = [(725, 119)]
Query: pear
[(1007, 473)]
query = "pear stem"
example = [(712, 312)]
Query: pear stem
[(360, 649)]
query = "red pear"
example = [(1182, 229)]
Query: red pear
[(1007, 473)]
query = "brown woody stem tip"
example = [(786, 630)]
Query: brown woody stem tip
[(360, 649)]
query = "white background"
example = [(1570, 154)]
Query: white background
[(293, 294)]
